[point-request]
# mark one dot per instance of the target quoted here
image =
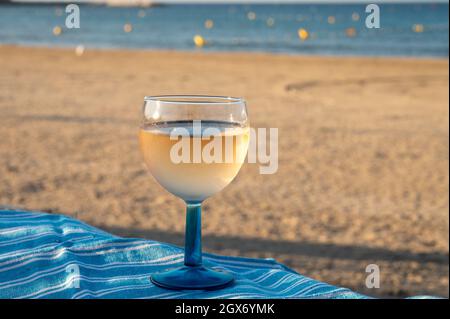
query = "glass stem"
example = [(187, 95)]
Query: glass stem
[(193, 240)]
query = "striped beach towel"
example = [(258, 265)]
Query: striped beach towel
[(54, 256)]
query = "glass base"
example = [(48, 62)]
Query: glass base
[(197, 277)]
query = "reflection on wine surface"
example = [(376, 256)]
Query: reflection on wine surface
[(199, 177)]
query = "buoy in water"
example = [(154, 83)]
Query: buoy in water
[(418, 28), (199, 41), (57, 30), (209, 24), (350, 32), (251, 15), (331, 20), (303, 34), (127, 28), (270, 22)]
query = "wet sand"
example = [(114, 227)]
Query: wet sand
[(363, 156)]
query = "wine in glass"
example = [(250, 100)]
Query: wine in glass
[(194, 146)]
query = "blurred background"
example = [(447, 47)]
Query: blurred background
[(331, 28), (362, 115)]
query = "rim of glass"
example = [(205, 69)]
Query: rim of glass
[(194, 99)]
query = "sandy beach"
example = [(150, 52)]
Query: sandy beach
[(363, 172)]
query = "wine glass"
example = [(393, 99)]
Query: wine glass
[(194, 146)]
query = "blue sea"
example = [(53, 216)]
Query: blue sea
[(405, 29)]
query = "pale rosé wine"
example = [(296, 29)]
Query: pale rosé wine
[(197, 178)]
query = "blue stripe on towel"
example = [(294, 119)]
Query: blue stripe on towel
[(38, 252)]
